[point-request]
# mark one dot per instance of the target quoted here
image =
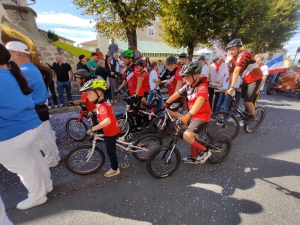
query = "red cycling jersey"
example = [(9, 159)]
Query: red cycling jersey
[(171, 78), (88, 104), (131, 75), (192, 93), (250, 70), (105, 110), (146, 84)]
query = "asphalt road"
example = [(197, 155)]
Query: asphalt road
[(257, 184)]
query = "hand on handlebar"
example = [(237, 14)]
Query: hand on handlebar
[(229, 91), (165, 105), (90, 114), (186, 118), (154, 91), (89, 132), (71, 103), (117, 93)]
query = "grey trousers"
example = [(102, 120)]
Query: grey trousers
[(113, 87)]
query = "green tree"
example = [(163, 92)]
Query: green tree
[(120, 18), (52, 37)]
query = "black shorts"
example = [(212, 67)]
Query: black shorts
[(197, 125), (175, 105), (249, 90), (146, 94)]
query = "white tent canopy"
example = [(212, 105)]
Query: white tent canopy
[(203, 51)]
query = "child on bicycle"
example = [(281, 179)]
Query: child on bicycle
[(199, 113), (108, 122)]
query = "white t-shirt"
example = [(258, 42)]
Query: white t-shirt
[(265, 70), (205, 70), (160, 69), (217, 77), (153, 76)]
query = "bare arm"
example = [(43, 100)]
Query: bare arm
[(178, 85), (102, 124), (79, 101), (157, 84), (122, 85), (53, 76), (235, 75), (71, 75), (173, 97), (263, 80)]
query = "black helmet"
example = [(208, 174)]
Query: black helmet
[(183, 55), (190, 68), (141, 62), (83, 74), (201, 57), (235, 42), (171, 60)]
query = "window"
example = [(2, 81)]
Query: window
[(151, 31)]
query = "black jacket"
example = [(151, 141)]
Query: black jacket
[(102, 72), (80, 65), (112, 69)]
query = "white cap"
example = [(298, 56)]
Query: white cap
[(17, 46)]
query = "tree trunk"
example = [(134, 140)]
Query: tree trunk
[(132, 39), (191, 51)]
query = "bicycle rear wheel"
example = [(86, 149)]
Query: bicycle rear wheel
[(260, 114), (220, 148), (158, 127), (125, 125), (148, 142), (162, 163), (76, 160), (76, 129), (221, 124)]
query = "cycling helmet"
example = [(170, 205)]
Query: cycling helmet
[(137, 54), (235, 42), (83, 74), (183, 55), (94, 85), (171, 60), (141, 62), (190, 68), (127, 53), (201, 58)]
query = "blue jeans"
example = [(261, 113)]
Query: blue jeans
[(60, 88), (150, 96), (223, 103)]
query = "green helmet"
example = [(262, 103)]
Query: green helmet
[(127, 53), (94, 85)]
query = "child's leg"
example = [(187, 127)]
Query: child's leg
[(110, 143)]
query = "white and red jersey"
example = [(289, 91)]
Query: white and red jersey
[(183, 78), (250, 70), (146, 84), (105, 110), (171, 78), (192, 93), (131, 75)]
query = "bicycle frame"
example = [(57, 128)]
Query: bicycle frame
[(236, 107), (83, 113)]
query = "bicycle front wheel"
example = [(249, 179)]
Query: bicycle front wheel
[(260, 114), (159, 127), (220, 148), (125, 125), (147, 142), (162, 162), (76, 129), (76, 160), (220, 124)]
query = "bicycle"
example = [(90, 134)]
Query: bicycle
[(76, 127), (154, 101), (169, 155), (227, 123), (89, 159)]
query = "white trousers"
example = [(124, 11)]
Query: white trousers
[(3, 217), (47, 142), (21, 155)]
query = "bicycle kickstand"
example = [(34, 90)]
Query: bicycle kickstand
[(125, 162)]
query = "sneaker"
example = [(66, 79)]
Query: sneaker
[(49, 189), (231, 120), (56, 106), (58, 158), (190, 160), (27, 203), (53, 164), (241, 123), (112, 173), (204, 156), (61, 105), (49, 107), (137, 131), (220, 123), (250, 120)]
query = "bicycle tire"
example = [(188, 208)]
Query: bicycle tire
[(82, 135), (70, 161), (143, 156), (126, 127), (248, 128), (230, 129), (154, 158), (156, 128), (217, 141)]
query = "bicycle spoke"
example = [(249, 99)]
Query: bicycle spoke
[(78, 160)]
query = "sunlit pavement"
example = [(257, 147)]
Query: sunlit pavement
[(257, 184)]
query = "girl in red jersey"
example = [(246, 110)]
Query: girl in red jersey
[(199, 111), (108, 122)]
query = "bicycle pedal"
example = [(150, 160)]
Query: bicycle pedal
[(124, 165)]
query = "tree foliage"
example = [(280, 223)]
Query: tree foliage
[(52, 37), (120, 18)]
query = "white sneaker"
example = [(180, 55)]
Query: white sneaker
[(56, 106), (231, 120), (204, 156), (49, 107), (241, 123), (112, 173), (53, 163), (27, 203)]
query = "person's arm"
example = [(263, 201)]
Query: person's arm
[(102, 124), (71, 75), (54, 76), (122, 85), (173, 97), (178, 85), (234, 78), (263, 80), (158, 82), (79, 101), (139, 84)]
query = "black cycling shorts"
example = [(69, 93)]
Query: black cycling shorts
[(146, 94), (249, 90), (175, 105), (197, 125)]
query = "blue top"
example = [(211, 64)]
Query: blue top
[(35, 82), (17, 113)]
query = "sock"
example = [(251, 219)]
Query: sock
[(198, 146), (194, 152)]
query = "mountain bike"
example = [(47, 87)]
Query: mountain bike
[(227, 123), (165, 159), (155, 101), (89, 159)]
